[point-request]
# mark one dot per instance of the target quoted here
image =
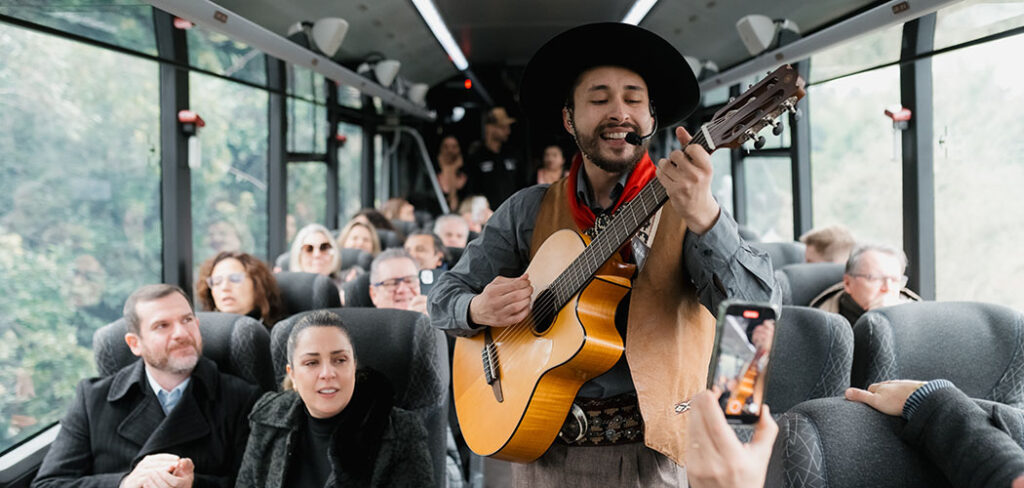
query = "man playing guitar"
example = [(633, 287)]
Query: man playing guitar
[(608, 86)]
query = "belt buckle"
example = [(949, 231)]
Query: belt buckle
[(576, 413)]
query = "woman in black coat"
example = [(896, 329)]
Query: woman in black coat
[(333, 426)]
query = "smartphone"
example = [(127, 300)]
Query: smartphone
[(427, 279), (739, 364)]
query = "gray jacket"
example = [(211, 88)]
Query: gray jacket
[(401, 460)]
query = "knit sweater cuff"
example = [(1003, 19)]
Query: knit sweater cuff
[(917, 398)]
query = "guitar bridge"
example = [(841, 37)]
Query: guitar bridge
[(489, 357)]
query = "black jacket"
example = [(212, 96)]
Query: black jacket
[(376, 445), (975, 445), (117, 420)]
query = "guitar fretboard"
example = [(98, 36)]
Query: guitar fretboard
[(626, 222)]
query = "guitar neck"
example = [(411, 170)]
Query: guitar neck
[(626, 222)]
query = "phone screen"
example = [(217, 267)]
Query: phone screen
[(427, 278), (742, 350)]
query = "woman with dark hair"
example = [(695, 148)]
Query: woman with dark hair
[(237, 282), (334, 425), (373, 217)]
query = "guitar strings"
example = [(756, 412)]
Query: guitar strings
[(547, 306)]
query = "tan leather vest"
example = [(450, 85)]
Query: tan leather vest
[(669, 336)]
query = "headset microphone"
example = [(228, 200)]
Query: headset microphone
[(636, 140)]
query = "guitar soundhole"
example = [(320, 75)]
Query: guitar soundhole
[(544, 311)]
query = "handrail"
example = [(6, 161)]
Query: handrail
[(426, 161)]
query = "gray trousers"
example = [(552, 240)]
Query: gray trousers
[(623, 465)]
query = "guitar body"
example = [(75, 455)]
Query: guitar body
[(538, 374)]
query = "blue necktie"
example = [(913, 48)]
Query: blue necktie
[(169, 400)]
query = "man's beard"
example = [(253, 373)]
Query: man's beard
[(589, 145), (174, 365)]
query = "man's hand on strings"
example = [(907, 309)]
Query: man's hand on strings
[(686, 176), (504, 302)]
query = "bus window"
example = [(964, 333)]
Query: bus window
[(769, 192), (979, 167), (124, 23), (874, 49), (229, 187), (215, 52), (79, 212), (307, 194), (721, 179), (349, 171), (855, 177), (972, 19)]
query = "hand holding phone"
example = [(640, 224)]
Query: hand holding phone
[(739, 364)]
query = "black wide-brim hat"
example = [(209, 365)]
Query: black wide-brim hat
[(555, 66)]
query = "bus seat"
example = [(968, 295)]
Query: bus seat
[(781, 253), (240, 346), (811, 357), (801, 282), (357, 291), (282, 261), (404, 347), (454, 253), (836, 443), (404, 228), (355, 257), (977, 346), (301, 292), (389, 239)]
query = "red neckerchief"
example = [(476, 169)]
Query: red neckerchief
[(643, 172)]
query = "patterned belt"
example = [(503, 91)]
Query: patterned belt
[(603, 422)]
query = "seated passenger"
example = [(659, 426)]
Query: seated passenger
[(399, 209), (476, 210), (830, 244), (170, 419), (452, 229), (450, 176), (395, 282), (874, 278), (373, 218), (333, 425), (969, 444), (359, 235), (236, 282), (427, 249), (552, 165)]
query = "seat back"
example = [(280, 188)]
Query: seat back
[(404, 347), (357, 291), (836, 443), (977, 346), (283, 261), (801, 282), (781, 253), (355, 257), (454, 254), (404, 228), (747, 234), (239, 345), (301, 292), (810, 358), (389, 238)]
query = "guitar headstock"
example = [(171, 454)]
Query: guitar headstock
[(758, 107)]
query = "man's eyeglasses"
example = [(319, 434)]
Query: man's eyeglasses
[(325, 247), (235, 278), (393, 283), (878, 279)]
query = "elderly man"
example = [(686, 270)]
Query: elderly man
[(874, 278), (606, 84), (395, 282), (169, 419), (452, 229), (427, 249)]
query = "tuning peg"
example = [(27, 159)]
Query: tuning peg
[(759, 142), (776, 127), (797, 114)]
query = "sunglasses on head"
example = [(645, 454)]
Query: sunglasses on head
[(217, 280), (324, 247)]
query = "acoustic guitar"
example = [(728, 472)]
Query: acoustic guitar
[(513, 386)]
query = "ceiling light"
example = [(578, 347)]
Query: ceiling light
[(433, 19), (638, 11)]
